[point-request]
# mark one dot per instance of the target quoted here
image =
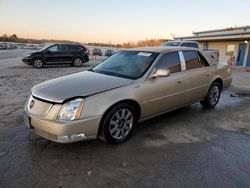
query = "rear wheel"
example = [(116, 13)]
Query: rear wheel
[(213, 96), (77, 62), (119, 123), (38, 63)]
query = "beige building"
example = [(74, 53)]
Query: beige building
[(231, 42)]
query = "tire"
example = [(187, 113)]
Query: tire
[(38, 63), (119, 123), (77, 62), (213, 96)]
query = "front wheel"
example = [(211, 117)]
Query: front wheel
[(213, 96), (38, 63), (119, 123)]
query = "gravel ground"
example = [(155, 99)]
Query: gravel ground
[(189, 147)]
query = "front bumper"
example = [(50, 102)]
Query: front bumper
[(86, 58), (64, 132), (26, 61)]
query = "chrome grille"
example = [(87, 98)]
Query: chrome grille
[(38, 107)]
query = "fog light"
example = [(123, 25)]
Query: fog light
[(62, 138), (79, 136)]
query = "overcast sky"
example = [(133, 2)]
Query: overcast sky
[(118, 21)]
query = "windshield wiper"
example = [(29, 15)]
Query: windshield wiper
[(91, 70)]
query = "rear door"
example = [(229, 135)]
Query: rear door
[(197, 75), (67, 53)]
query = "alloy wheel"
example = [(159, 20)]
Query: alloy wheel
[(121, 124), (214, 94), (77, 62), (38, 63)]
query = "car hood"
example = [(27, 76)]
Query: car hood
[(77, 85), (30, 54)]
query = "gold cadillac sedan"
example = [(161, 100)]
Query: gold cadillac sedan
[(133, 85)]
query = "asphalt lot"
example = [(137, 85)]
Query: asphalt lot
[(189, 147)]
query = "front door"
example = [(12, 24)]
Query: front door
[(241, 54), (55, 54), (164, 93), (50, 54)]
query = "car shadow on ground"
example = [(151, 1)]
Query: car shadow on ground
[(146, 128)]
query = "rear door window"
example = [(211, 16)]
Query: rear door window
[(74, 48), (203, 60), (170, 61), (192, 60), (192, 45), (64, 48), (171, 44)]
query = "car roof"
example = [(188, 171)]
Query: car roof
[(186, 41), (66, 44), (161, 49)]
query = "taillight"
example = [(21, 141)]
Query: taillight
[(86, 50)]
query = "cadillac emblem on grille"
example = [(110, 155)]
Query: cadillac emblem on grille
[(32, 102)]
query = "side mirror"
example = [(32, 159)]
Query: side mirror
[(161, 73)]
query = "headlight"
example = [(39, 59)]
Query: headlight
[(71, 110), (27, 55)]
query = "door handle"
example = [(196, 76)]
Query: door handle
[(179, 81), (207, 74)]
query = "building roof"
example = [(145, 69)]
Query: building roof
[(223, 30), (236, 33)]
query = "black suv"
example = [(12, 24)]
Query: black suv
[(72, 54)]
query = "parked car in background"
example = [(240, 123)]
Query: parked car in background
[(3, 46), (191, 44), (97, 51), (131, 86), (109, 52), (11, 45), (75, 55), (32, 47), (7, 45), (212, 54)]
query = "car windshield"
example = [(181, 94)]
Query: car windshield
[(171, 44), (126, 64)]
